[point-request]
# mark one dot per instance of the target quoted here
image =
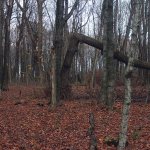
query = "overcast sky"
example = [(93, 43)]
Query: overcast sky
[(50, 4)]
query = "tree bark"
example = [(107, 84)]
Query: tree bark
[(116, 21), (53, 77), (128, 74), (58, 44), (1, 41), (126, 107), (20, 30), (91, 133), (108, 61), (5, 76), (40, 38), (94, 69), (148, 30), (72, 49)]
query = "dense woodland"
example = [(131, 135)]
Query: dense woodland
[(74, 74)]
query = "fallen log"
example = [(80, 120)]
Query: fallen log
[(117, 54), (76, 38)]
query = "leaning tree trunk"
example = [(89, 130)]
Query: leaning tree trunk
[(128, 74), (72, 49), (58, 41)]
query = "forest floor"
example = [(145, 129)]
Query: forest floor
[(27, 124)]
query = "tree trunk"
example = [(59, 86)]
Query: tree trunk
[(116, 22), (72, 49), (23, 61), (5, 76), (40, 39), (58, 44), (143, 45), (108, 61), (148, 30), (1, 41), (128, 74), (20, 30), (94, 69), (126, 107), (82, 64), (53, 77), (17, 57)]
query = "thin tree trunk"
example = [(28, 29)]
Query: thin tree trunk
[(1, 41), (143, 44), (94, 68), (23, 61), (115, 22), (5, 76), (53, 77), (126, 107), (40, 39), (100, 27), (128, 74), (20, 30), (148, 49), (82, 63)]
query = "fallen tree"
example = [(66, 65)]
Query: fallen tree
[(75, 39)]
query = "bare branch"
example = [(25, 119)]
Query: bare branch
[(49, 16), (71, 11)]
